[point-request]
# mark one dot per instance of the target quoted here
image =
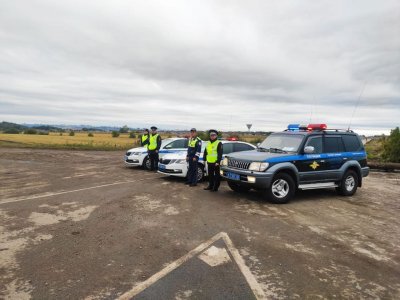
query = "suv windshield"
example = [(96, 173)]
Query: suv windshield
[(281, 143)]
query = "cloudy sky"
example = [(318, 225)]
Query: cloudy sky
[(209, 64)]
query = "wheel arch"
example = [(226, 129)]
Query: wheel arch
[(287, 168), (354, 166)]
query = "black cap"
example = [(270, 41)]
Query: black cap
[(212, 131), (153, 127), (193, 129)]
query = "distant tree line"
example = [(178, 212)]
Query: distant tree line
[(391, 147)]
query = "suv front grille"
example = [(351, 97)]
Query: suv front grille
[(238, 164)]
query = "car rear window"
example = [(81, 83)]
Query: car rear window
[(333, 144), (177, 144), (242, 147), (352, 143)]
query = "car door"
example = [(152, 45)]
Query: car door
[(311, 165), (227, 148), (335, 156)]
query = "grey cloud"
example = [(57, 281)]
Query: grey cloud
[(200, 62)]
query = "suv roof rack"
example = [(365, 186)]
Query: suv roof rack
[(321, 130), (339, 130)]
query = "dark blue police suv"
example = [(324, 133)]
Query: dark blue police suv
[(301, 157)]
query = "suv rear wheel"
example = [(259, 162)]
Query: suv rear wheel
[(237, 187), (282, 189), (349, 183)]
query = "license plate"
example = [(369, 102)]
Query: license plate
[(161, 167), (233, 176)]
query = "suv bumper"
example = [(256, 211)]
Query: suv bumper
[(256, 180), (365, 171)]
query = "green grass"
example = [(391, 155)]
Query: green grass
[(374, 149)]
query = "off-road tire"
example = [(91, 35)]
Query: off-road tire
[(282, 189), (349, 183)]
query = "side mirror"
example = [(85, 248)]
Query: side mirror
[(258, 145), (309, 150)]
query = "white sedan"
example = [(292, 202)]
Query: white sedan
[(175, 164), (139, 157)]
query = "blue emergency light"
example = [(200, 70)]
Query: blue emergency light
[(293, 127)]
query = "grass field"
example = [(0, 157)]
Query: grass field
[(100, 141), (81, 141)]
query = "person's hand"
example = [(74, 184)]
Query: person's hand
[(194, 158), (187, 158), (156, 151), (216, 164)]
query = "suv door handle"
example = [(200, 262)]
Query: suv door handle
[(345, 158), (322, 161)]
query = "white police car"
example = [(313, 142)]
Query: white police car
[(139, 157), (175, 164)]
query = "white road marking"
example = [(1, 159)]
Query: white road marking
[(254, 285), (215, 256), (49, 194)]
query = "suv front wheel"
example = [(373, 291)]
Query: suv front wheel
[(282, 189), (349, 183)]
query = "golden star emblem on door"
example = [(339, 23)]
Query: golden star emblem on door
[(314, 165)]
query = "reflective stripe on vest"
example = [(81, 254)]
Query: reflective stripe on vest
[(153, 142), (145, 137), (192, 142), (212, 152)]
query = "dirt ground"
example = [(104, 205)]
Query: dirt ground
[(80, 225)]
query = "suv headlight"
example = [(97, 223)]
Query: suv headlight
[(224, 162), (258, 166)]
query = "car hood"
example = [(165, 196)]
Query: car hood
[(138, 149), (254, 155), (176, 155)]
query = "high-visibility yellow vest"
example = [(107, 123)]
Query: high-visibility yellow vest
[(145, 137), (153, 142), (192, 142), (212, 151)]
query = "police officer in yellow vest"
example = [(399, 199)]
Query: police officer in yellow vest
[(213, 156), (153, 147), (144, 141), (193, 155)]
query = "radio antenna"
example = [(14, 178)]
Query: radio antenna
[(357, 103)]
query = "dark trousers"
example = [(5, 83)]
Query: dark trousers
[(214, 177), (192, 172), (153, 156)]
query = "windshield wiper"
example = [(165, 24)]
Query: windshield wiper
[(261, 149), (277, 150)]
